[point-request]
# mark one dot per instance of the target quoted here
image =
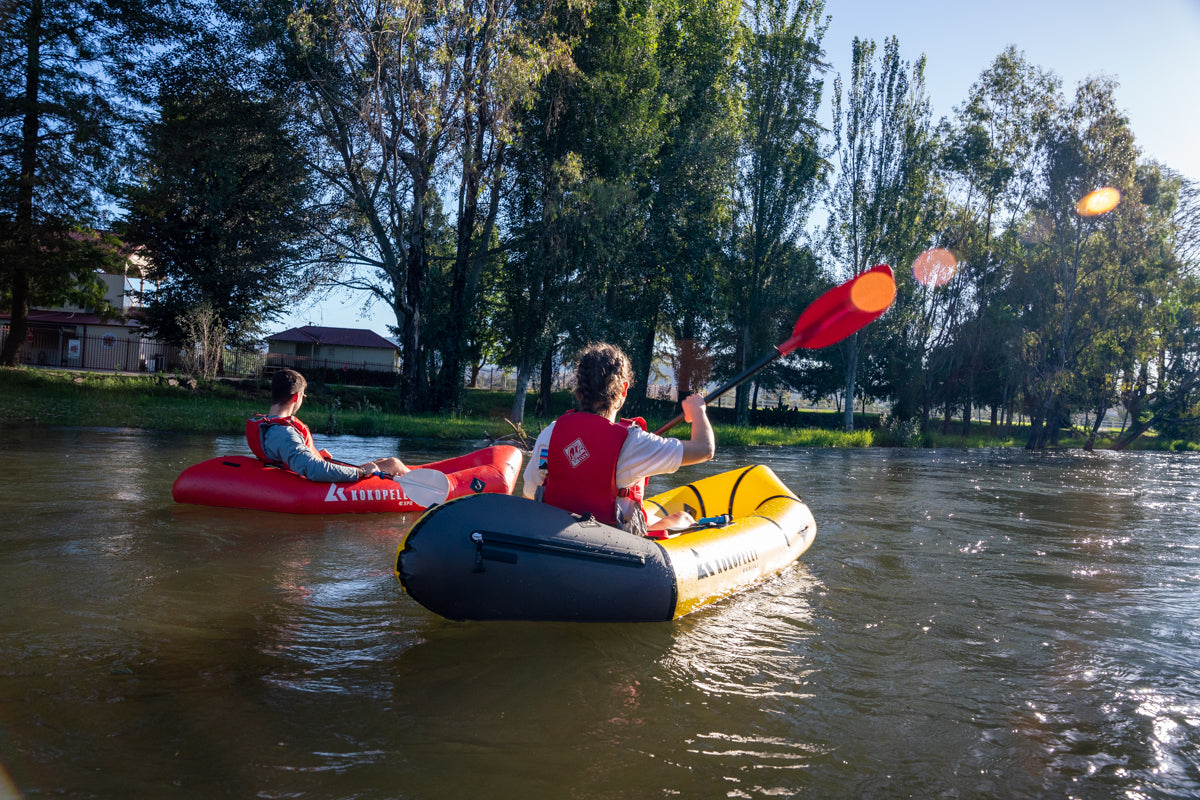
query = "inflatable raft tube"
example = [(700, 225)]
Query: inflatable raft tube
[(246, 482), (494, 557)]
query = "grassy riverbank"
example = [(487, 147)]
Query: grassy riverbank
[(162, 402), (159, 402)]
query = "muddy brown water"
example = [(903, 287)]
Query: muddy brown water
[(968, 624)]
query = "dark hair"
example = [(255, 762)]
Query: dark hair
[(598, 378), (286, 383)]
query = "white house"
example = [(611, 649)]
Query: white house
[(71, 336), (332, 348)]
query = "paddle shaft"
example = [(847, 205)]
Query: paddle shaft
[(739, 379), (833, 316)]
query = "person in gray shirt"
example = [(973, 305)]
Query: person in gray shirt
[(280, 437)]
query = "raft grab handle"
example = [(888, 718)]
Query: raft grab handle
[(560, 548)]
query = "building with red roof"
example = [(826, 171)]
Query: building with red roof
[(317, 346), (76, 337)]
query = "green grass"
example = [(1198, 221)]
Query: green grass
[(728, 435), (50, 397), (46, 397)]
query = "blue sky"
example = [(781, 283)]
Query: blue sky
[(1152, 48)]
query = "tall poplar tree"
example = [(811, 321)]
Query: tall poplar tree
[(880, 138), (781, 168), (671, 286)]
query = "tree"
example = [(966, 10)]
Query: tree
[(580, 201), (884, 155), (561, 219), (669, 287), (781, 167), (993, 155), (60, 135), (621, 185), (405, 103), (202, 334), (1073, 278), (219, 205)]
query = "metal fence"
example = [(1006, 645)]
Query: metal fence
[(324, 370), (109, 352), (47, 347)]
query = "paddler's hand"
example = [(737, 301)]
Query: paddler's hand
[(673, 522), (693, 405)]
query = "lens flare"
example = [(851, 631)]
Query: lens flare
[(935, 267), (873, 291), (1098, 202)]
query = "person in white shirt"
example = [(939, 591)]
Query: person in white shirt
[(590, 462)]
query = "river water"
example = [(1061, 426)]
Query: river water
[(968, 624)]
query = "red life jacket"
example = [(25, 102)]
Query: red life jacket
[(257, 425), (581, 466)]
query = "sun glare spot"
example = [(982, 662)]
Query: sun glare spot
[(873, 291), (1098, 202), (935, 267)]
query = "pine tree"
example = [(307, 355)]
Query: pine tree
[(219, 207)]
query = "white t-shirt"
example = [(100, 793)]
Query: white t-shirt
[(643, 454)]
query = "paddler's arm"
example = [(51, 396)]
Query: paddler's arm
[(284, 443), (703, 444), (535, 470)]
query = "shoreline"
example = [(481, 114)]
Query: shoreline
[(159, 401)]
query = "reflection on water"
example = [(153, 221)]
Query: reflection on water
[(967, 624)]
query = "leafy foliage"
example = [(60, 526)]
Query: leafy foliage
[(62, 131), (219, 206)]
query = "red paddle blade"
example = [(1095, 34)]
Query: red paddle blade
[(843, 310)]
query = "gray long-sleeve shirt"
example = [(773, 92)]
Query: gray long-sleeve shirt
[(284, 443)]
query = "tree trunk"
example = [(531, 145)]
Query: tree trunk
[(518, 407), (19, 320), (1034, 441), (415, 396), (1090, 444), (1181, 392), (1043, 418), (449, 388), (926, 407), (851, 380), (742, 392), (469, 254), (643, 359), (546, 386)]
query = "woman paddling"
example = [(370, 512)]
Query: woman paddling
[(590, 462)]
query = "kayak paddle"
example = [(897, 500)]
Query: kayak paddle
[(425, 487), (833, 316)]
